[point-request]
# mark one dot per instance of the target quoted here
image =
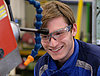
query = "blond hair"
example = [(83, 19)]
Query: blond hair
[(55, 9)]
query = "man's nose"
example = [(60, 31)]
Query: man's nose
[(53, 42)]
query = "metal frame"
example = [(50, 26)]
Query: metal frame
[(94, 21)]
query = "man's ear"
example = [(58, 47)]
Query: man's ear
[(74, 29)]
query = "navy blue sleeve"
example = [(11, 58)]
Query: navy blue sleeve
[(98, 72)]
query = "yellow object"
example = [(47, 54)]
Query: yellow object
[(43, 2), (28, 52), (29, 59), (79, 16)]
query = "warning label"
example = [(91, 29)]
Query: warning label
[(3, 12)]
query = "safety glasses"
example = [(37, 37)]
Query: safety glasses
[(56, 35)]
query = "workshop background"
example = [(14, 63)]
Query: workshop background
[(24, 15)]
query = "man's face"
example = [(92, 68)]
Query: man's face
[(62, 48)]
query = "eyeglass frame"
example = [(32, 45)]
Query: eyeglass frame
[(67, 28)]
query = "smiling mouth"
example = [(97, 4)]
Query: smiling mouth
[(55, 50)]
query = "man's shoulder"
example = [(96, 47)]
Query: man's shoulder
[(88, 47), (89, 52), (43, 60)]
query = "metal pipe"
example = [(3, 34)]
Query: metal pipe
[(10, 11), (94, 22), (42, 31)]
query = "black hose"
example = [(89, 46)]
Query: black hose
[(9, 9)]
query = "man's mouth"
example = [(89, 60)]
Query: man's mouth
[(55, 50)]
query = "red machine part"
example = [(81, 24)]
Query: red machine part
[(7, 39), (9, 52)]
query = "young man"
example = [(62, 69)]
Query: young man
[(65, 55)]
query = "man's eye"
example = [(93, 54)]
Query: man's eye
[(58, 33), (44, 36)]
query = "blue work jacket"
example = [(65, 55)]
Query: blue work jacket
[(85, 61)]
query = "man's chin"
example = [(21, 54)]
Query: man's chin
[(56, 58)]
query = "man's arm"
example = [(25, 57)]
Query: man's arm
[(98, 72)]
